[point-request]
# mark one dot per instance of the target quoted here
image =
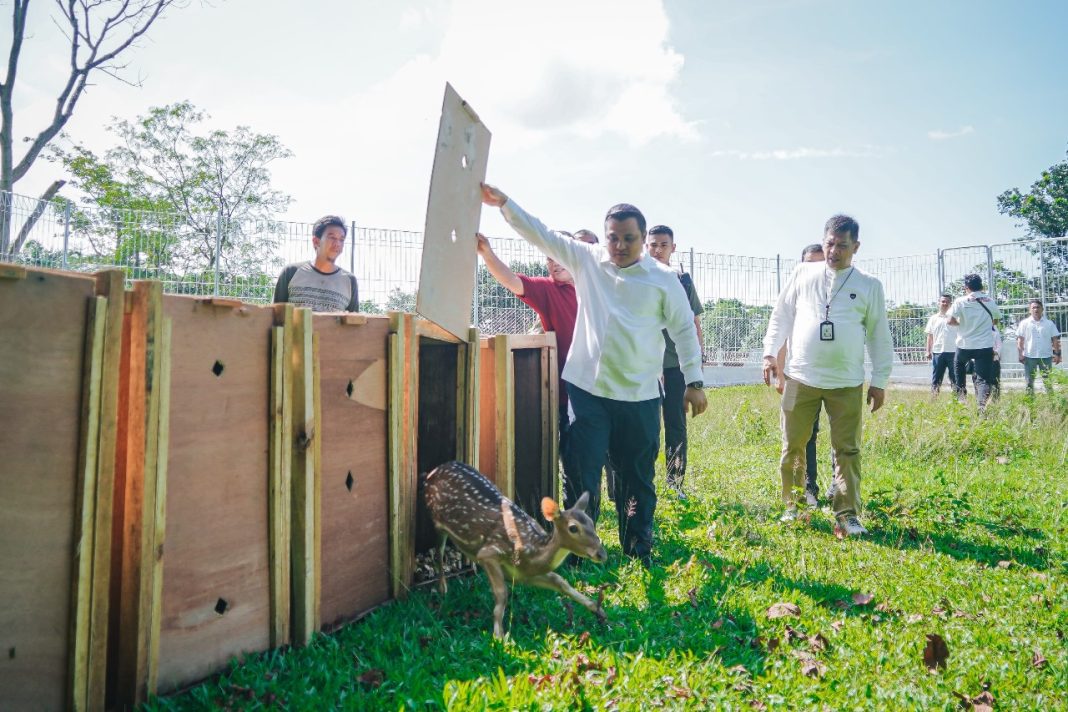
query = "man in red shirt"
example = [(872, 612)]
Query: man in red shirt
[(554, 299)]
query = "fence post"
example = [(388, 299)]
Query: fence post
[(991, 287), (218, 250), (941, 272), (778, 274), (352, 248), (691, 265), (66, 231), (1042, 271)]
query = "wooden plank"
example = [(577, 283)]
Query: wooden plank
[(473, 359), (303, 481), (9, 271), (159, 515), (505, 407), (43, 319), (553, 386), (446, 279), (487, 408), (278, 518), (353, 319), (431, 330), (401, 447), (85, 500), (354, 474), (217, 577), (317, 469), (530, 341), (110, 284)]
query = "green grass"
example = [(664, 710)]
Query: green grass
[(968, 542)]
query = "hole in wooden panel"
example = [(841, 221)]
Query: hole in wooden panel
[(454, 236), (349, 482), (349, 389), (221, 606), (463, 161), (11, 653), (217, 369)]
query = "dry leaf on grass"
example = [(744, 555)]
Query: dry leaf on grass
[(1038, 660), (811, 667), (1004, 564), (1002, 460), (793, 634), (862, 599), (372, 678), (782, 610), (838, 625), (817, 642), (935, 653), (692, 593), (983, 702)]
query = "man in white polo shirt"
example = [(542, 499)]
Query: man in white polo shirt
[(625, 299), (1039, 342), (829, 311), (976, 317), (941, 345)]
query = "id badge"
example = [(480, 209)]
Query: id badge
[(826, 331)]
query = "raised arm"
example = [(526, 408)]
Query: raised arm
[(496, 266), (570, 253)]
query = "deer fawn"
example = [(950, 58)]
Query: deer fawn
[(492, 531)]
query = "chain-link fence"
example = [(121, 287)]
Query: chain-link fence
[(209, 254)]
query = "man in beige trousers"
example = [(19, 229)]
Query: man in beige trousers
[(829, 311)]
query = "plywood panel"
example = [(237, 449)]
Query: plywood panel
[(487, 411), (447, 276), (216, 577), (355, 495), (42, 343)]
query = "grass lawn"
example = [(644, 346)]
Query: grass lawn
[(969, 542)]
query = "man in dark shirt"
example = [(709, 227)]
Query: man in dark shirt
[(320, 284), (660, 244)]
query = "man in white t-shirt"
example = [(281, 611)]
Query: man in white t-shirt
[(976, 317), (1039, 342), (941, 345), (829, 311)]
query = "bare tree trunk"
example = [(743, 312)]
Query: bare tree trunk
[(42, 205)]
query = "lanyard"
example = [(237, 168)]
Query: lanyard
[(827, 306)]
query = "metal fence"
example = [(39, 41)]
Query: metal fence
[(208, 254)]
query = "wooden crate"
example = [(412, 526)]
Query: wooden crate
[(60, 339), (519, 397), (202, 560)]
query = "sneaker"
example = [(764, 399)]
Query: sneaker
[(850, 526), (811, 499), (790, 515)]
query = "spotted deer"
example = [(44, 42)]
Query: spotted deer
[(506, 541)]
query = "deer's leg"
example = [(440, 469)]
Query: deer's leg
[(443, 586), (556, 582), (488, 558)]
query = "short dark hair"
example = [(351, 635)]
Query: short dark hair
[(625, 211), (1036, 301), (946, 296), (810, 250), (662, 230), (973, 282), (566, 233), (326, 221), (842, 225)]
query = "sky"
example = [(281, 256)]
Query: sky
[(742, 125)]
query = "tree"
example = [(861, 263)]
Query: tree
[(1044, 212), (1010, 286), (160, 195), (733, 329), (98, 33)]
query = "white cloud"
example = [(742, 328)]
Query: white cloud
[(939, 135), (414, 18), (793, 154)]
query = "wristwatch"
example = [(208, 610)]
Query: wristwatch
[(696, 384)]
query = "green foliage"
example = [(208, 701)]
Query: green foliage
[(1010, 286), (968, 541), (159, 196), (732, 329)]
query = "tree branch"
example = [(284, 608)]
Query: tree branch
[(42, 205)]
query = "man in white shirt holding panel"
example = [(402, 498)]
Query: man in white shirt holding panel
[(1039, 343), (625, 299), (941, 345), (829, 311), (976, 317)]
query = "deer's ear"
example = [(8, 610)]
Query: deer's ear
[(582, 502), (549, 508)]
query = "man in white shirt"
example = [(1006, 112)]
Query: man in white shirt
[(829, 312), (976, 317), (941, 345), (625, 299), (1039, 343)]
